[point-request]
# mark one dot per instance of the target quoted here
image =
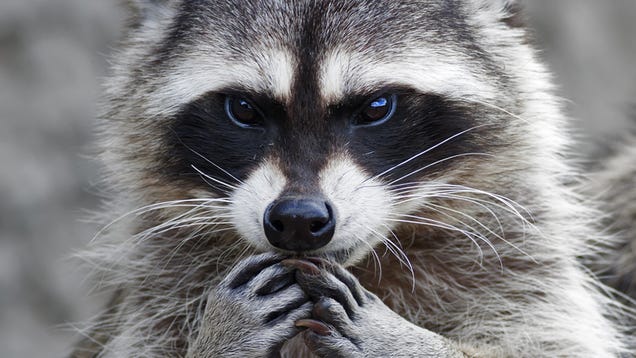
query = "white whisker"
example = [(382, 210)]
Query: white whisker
[(210, 162), (493, 106), (402, 253), (377, 261), (208, 177), (436, 163), (412, 158), (411, 219), (161, 206)]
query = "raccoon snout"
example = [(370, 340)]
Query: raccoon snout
[(299, 224)]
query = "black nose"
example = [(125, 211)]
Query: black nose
[(299, 224)]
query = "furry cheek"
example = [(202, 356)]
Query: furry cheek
[(362, 206), (251, 198)]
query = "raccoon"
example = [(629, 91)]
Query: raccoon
[(342, 179)]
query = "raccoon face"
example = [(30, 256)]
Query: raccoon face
[(324, 123)]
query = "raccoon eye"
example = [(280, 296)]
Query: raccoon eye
[(377, 111), (242, 112)]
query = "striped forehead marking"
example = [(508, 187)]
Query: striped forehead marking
[(342, 73), (274, 72), (269, 71)]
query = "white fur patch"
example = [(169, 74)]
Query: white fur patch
[(251, 199), (270, 71), (441, 71), (361, 205)]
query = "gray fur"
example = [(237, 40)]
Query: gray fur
[(614, 184), (249, 335), (497, 274)]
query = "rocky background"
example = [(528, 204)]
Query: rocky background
[(52, 54)]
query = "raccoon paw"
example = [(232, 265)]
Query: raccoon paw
[(251, 313), (349, 321), (339, 302)]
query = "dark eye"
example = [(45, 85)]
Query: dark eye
[(242, 112), (378, 111)]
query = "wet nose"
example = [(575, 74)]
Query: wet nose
[(299, 224)]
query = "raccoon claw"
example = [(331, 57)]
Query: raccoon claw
[(320, 262), (331, 314), (315, 326), (246, 270), (344, 318), (334, 282), (304, 266), (258, 303), (358, 292), (330, 333)]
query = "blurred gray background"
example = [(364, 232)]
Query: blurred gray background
[(52, 55)]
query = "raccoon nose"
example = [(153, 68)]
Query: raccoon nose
[(299, 224)]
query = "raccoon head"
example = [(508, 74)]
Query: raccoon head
[(322, 125)]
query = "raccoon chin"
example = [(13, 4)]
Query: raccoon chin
[(345, 257)]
